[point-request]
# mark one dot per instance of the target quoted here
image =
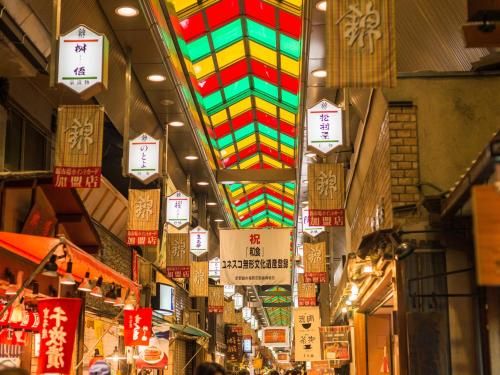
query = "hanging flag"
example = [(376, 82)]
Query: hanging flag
[(198, 279), (326, 194), (177, 255), (307, 338), (199, 241), (229, 314), (59, 320), (315, 263), (215, 299), (214, 268), (361, 43), (306, 292), (144, 158), (137, 326), (143, 217), (234, 343), (306, 225), (324, 127), (178, 209), (78, 155)]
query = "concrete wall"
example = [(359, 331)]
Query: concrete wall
[(456, 117)]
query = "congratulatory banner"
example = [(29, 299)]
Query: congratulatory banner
[(255, 256)]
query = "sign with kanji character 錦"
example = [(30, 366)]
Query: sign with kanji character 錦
[(315, 263), (306, 292), (324, 127), (137, 326), (59, 320), (229, 313), (178, 209), (307, 227), (198, 279), (255, 256), (307, 336), (144, 158), (177, 255), (143, 217), (199, 241), (78, 153), (215, 299), (326, 194), (83, 61)]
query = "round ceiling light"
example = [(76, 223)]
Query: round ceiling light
[(176, 124), (211, 203), (191, 157), (156, 78), (203, 183), (127, 11), (319, 73), (218, 220), (321, 5)]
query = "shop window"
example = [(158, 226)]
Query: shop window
[(26, 147)]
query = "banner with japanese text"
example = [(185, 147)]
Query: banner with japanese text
[(59, 320), (215, 299), (326, 194), (137, 326), (198, 279), (234, 344), (307, 336), (255, 256), (315, 263), (143, 217), (178, 255), (275, 337), (306, 292), (78, 154), (229, 314), (361, 43), (335, 343)]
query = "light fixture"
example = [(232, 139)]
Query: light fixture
[(218, 220), (110, 296), (156, 78), (85, 285), (11, 290), (127, 11), (368, 268), (130, 302), (119, 300), (305, 182), (227, 182), (211, 203), (305, 203), (68, 279), (97, 290), (310, 154), (404, 250), (319, 73), (321, 5), (354, 289), (176, 124), (344, 310), (348, 303), (166, 102), (203, 183), (191, 157), (50, 269), (116, 355), (18, 312)]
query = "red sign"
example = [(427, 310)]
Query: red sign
[(77, 177), (178, 272), (316, 278), (59, 317), (31, 321), (327, 218), (307, 301), (4, 318), (142, 237), (137, 326), (10, 336)]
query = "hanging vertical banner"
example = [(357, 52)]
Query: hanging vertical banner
[(144, 158), (78, 154), (143, 217), (324, 127), (234, 336), (214, 268), (326, 194), (59, 320), (229, 314), (198, 279), (177, 255), (307, 336), (255, 256), (199, 241), (229, 291), (247, 313), (361, 43), (306, 292), (137, 326), (83, 61), (215, 299), (238, 301), (178, 209), (315, 263), (307, 227), (335, 343)]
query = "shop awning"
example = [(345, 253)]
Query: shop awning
[(35, 248), (189, 330)]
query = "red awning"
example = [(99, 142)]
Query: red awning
[(35, 248)]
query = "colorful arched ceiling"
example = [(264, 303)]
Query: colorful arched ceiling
[(243, 59)]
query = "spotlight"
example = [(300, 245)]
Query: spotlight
[(127, 11), (368, 268), (404, 250), (50, 269), (68, 279), (85, 285), (344, 310), (97, 290)]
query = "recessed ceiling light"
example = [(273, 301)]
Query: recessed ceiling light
[(127, 11), (227, 182), (211, 203), (166, 102), (203, 183), (176, 124), (191, 157), (218, 220), (319, 73), (156, 78), (321, 5)]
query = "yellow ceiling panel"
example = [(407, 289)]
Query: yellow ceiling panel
[(264, 54), (231, 54)]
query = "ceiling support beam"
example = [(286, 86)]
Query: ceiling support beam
[(227, 176)]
